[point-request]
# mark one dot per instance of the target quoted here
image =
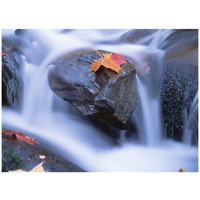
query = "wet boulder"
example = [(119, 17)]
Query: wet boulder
[(104, 95), (12, 83), (180, 43), (180, 81), (143, 36)]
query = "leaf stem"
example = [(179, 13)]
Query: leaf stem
[(97, 52)]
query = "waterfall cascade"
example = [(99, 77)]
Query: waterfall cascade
[(53, 121)]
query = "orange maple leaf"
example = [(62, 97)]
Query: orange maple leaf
[(107, 62), (182, 170), (20, 136)]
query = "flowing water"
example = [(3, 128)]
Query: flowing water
[(190, 117), (55, 123)]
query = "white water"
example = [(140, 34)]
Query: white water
[(57, 126), (149, 106)]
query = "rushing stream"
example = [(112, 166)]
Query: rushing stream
[(55, 123)]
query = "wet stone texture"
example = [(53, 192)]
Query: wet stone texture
[(104, 95), (179, 87), (12, 83), (18, 156), (180, 81)]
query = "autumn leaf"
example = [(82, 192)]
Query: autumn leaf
[(20, 136), (119, 59), (182, 170), (37, 168), (4, 54), (108, 62)]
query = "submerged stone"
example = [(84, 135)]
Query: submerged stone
[(104, 95)]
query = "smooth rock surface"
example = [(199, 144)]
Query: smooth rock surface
[(142, 36), (180, 43), (104, 95)]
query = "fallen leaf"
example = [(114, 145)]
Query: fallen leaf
[(182, 170), (119, 59), (20, 136), (4, 54), (37, 168), (18, 170), (108, 63)]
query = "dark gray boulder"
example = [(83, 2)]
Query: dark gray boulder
[(180, 84), (103, 95), (180, 81), (12, 83)]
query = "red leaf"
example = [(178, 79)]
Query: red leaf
[(4, 54), (119, 59), (20, 136)]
